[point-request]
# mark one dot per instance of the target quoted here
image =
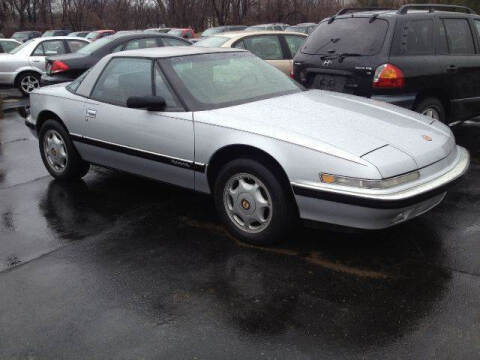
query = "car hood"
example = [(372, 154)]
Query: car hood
[(344, 124)]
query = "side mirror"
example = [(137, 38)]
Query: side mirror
[(150, 103)]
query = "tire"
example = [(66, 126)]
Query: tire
[(58, 153), (432, 107), (27, 82), (258, 215)]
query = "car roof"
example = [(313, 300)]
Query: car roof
[(66, 37), (171, 51), (239, 34)]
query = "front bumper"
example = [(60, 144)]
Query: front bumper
[(375, 209), (52, 80), (406, 101)]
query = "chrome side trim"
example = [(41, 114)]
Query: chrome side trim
[(145, 154)]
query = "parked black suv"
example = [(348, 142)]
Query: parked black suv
[(422, 57)]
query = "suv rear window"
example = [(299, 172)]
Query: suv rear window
[(415, 37), (349, 35)]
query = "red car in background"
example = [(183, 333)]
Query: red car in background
[(98, 34), (186, 33)]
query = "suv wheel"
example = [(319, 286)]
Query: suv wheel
[(27, 82), (252, 202), (58, 153), (433, 108)]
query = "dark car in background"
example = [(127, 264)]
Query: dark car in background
[(24, 36), (79, 34), (63, 68), (306, 28), (422, 57), (50, 33)]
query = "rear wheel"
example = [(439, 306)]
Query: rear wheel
[(433, 108), (58, 153), (252, 202), (27, 82)]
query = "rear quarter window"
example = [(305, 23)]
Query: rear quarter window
[(414, 37)]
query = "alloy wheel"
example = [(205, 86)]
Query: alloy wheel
[(55, 151), (29, 83), (248, 203)]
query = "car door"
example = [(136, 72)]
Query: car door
[(463, 67), (46, 48), (266, 47), (154, 144)]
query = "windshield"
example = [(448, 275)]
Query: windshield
[(214, 41), (225, 79), (94, 46), (176, 32), (211, 31), (92, 35), (21, 47), (48, 33), (348, 35)]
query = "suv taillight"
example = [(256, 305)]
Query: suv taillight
[(58, 66), (388, 76)]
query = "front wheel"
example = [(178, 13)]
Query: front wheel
[(58, 153), (253, 203)]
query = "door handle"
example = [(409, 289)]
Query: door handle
[(36, 61), (452, 69), (91, 112)]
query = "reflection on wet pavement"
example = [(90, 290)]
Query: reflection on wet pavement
[(115, 266)]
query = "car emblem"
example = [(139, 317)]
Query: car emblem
[(327, 62), (426, 138), (245, 204)]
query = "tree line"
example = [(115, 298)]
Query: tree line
[(199, 14)]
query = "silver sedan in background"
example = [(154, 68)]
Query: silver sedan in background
[(226, 123), (23, 66)]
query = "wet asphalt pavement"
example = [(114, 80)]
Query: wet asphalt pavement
[(119, 267)]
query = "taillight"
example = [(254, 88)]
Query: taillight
[(292, 75), (58, 66), (388, 76)]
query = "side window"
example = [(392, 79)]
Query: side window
[(122, 78), (76, 45), (415, 37), (141, 44), (75, 84), (294, 43), (173, 42), (38, 50), (239, 45), (442, 39), (477, 26), (118, 48), (460, 40), (49, 48), (163, 89), (266, 47)]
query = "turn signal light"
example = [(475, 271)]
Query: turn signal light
[(388, 76), (58, 66)]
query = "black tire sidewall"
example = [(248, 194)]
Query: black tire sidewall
[(281, 204), (76, 167), (19, 81), (432, 103)]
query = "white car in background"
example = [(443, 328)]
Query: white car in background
[(23, 66), (7, 45)]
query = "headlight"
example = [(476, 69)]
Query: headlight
[(368, 183)]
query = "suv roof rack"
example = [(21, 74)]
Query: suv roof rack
[(358, 9), (431, 8)]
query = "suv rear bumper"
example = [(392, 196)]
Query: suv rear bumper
[(405, 101)]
